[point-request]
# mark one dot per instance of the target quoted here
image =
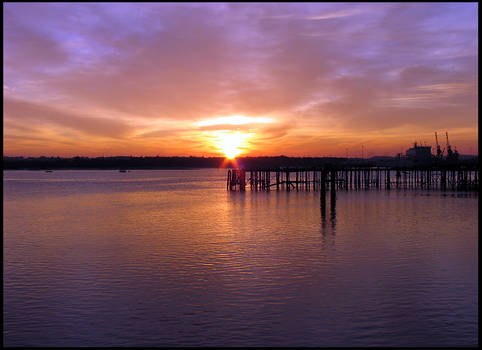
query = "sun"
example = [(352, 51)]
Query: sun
[(232, 144), (229, 134)]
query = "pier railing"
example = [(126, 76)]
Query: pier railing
[(355, 178)]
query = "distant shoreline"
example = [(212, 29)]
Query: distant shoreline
[(192, 163), (112, 169)]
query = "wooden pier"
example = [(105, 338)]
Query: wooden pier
[(353, 178)]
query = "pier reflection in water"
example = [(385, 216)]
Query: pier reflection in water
[(332, 217)]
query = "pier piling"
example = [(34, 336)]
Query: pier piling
[(455, 179)]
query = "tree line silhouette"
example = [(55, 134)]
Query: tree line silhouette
[(131, 162)]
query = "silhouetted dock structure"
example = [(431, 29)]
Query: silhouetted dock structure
[(353, 178)]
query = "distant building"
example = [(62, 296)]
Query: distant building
[(419, 154)]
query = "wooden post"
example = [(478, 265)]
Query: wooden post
[(243, 180)]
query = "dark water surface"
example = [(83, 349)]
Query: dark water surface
[(170, 258)]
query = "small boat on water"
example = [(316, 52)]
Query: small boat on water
[(48, 171), (122, 170)]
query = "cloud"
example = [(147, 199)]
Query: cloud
[(28, 113), (331, 68), (336, 14), (28, 48), (160, 133)]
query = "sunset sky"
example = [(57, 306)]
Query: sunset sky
[(294, 79)]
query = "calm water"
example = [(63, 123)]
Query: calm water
[(166, 258)]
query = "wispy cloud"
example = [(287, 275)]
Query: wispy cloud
[(28, 112), (336, 14)]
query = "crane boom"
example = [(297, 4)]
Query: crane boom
[(449, 148), (439, 151)]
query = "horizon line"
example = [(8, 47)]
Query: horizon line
[(221, 157)]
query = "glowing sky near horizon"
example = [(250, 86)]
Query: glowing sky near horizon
[(294, 79)]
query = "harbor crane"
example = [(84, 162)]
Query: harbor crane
[(449, 148), (451, 155), (440, 152)]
